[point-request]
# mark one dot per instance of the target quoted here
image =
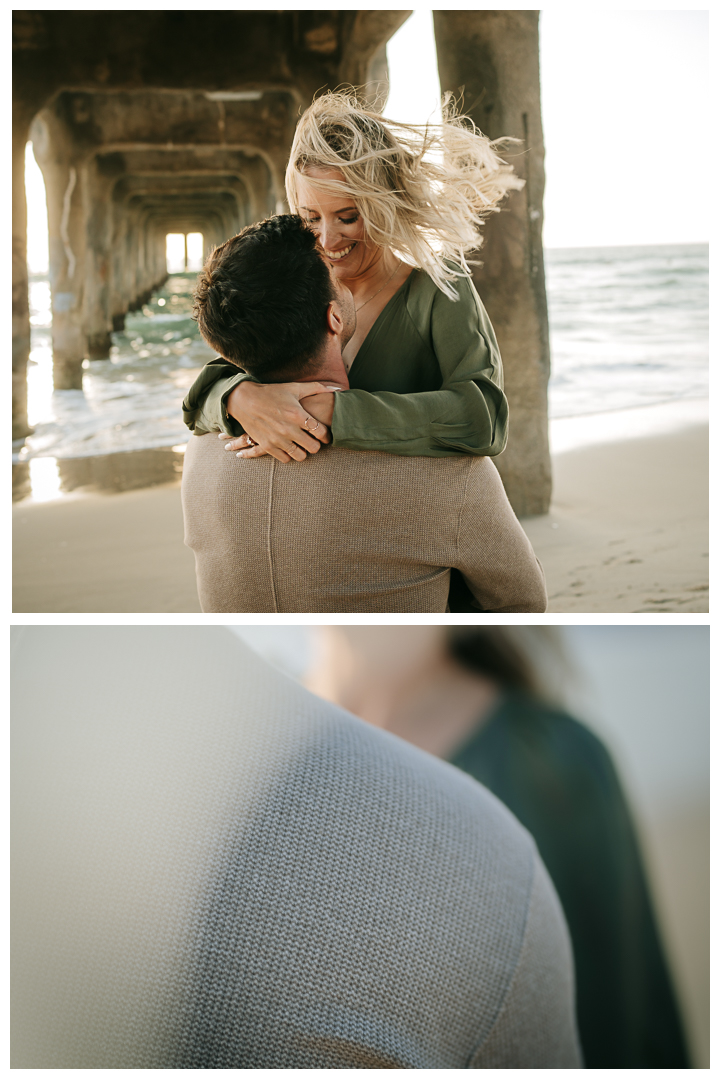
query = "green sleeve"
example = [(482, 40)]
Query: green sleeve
[(204, 408), (468, 414)]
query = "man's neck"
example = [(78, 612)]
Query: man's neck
[(328, 367)]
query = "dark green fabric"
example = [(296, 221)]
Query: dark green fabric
[(559, 781), (204, 406), (427, 380)]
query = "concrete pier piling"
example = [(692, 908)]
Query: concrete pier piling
[(494, 57), (151, 122)]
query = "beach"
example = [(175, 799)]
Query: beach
[(627, 532), (628, 526)]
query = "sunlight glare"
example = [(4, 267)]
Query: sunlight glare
[(175, 253), (40, 386), (195, 249), (412, 63), (37, 223), (45, 479)]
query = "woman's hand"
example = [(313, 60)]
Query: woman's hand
[(321, 407), (276, 421)]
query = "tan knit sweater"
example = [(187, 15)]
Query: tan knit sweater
[(214, 869), (346, 531)]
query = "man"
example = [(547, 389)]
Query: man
[(341, 531), (212, 868)]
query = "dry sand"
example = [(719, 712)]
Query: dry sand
[(627, 532), (628, 528)]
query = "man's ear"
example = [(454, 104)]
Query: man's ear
[(334, 319)]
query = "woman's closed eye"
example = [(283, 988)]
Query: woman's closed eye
[(345, 221)]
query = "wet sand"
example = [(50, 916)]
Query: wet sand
[(104, 553), (627, 533)]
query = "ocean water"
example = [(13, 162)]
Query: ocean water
[(628, 327), (131, 401), (628, 330)]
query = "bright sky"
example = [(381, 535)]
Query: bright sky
[(37, 236), (624, 99), (627, 126), (627, 129)]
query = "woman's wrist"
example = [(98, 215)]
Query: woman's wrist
[(224, 411), (232, 401), (320, 406), (238, 401)]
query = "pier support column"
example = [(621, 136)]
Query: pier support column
[(64, 175), (66, 236), (494, 55), (100, 176), (118, 300)]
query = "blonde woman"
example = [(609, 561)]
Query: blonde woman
[(396, 209)]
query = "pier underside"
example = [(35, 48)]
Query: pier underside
[(156, 122)]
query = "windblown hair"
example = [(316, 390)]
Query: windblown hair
[(262, 297), (422, 190)]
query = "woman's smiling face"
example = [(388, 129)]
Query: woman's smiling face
[(336, 221)]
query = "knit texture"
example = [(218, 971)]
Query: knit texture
[(345, 531), (226, 872)]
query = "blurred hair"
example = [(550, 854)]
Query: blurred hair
[(262, 297), (524, 658), (423, 190)]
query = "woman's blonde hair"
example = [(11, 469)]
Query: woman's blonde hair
[(422, 190)]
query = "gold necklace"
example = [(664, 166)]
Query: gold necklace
[(380, 289)]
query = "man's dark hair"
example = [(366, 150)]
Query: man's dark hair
[(262, 297)]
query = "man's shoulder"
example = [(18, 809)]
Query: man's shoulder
[(351, 898), (406, 790), (386, 489), (380, 790), (405, 844), (421, 465)]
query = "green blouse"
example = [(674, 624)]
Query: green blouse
[(427, 380), (559, 781)]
